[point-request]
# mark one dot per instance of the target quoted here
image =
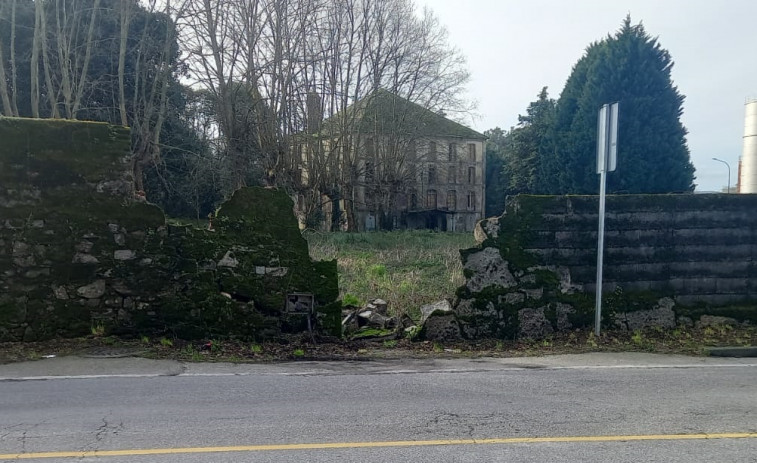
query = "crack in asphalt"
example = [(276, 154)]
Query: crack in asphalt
[(104, 430), (453, 423), (107, 428), (8, 432)]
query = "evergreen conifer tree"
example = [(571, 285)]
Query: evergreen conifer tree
[(633, 69)]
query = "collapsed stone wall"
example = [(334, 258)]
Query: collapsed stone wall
[(668, 259), (77, 251)]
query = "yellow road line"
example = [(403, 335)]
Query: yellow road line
[(356, 445)]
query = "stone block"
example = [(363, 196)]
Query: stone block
[(533, 323), (489, 269), (661, 315), (438, 308), (93, 290), (124, 254), (442, 328)]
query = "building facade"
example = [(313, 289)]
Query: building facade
[(408, 168), (442, 188)]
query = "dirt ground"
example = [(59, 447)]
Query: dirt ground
[(688, 341)]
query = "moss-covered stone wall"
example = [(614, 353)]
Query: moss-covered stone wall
[(667, 259), (77, 252)]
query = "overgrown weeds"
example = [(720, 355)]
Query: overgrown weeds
[(405, 268)]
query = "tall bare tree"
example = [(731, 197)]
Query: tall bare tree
[(124, 14)]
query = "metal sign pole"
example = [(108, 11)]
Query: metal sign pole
[(607, 150), (600, 251)]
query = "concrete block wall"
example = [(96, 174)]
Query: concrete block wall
[(698, 250)]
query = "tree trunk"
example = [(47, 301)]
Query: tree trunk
[(336, 211), (51, 95), (64, 57), (349, 208), (14, 85), (85, 65), (34, 77), (139, 183), (7, 110), (125, 19)]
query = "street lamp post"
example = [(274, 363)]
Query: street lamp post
[(729, 172)]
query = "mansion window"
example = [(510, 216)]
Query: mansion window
[(432, 151), (431, 199), (431, 174), (471, 201), (451, 175), (471, 175), (472, 152), (452, 154), (452, 200)]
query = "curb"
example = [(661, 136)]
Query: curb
[(732, 352)]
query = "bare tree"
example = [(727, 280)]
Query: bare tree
[(365, 46), (288, 77), (4, 94), (125, 18), (14, 71), (150, 99), (8, 97), (36, 46)]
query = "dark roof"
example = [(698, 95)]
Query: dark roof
[(384, 112)]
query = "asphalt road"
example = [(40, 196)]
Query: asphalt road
[(571, 408)]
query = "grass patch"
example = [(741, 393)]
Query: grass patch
[(405, 268)]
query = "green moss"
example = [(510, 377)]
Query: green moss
[(584, 309), (504, 324), (60, 173), (329, 318), (743, 313), (46, 144), (546, 279), (630, 301), (371, 333)]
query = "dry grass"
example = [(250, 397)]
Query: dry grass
[(405, 268)]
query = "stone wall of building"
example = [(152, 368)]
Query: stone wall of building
[(78, 252), (668, 259)]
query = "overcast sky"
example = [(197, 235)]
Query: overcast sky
[(515, 47)]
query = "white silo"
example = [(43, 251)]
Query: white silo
[(748, 177)]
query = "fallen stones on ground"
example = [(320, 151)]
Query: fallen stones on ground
[(439, 322), (378, 306), (372, 316)]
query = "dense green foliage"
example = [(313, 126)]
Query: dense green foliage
[(633, 69), (553, 150), (515, 159)]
